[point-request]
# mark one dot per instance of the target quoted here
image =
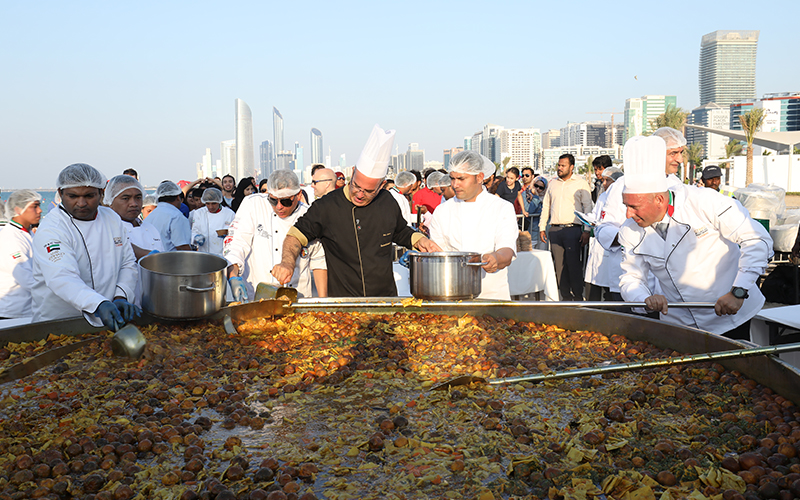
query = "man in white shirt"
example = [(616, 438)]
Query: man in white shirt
[(175, 229), (701, 246), (476, 221), (16, 249), (566, 194), (82, 262), (403, 184), (255, 240)]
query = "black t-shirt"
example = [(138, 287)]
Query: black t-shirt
[(508, 194)]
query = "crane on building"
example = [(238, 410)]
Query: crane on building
[(613, 130)]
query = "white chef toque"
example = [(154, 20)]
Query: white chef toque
[(644, 159), (374, 159)]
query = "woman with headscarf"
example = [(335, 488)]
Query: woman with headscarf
[(532, 197), (246, 187), (16, 251), (210, 223)]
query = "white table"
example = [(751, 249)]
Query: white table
[(401, 280), (760, 330), (531, 272)]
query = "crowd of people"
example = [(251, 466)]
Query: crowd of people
[(641, 236)]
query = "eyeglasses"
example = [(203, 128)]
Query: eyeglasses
[(286, 202), (359, 189), (321, 180)]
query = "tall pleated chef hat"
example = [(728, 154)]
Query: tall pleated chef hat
[(374, 159), (645, 158)]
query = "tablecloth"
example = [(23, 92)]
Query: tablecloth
[(533, 271), (759, 330)]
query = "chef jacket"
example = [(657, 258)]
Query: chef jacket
[(612, 216), (255, 244), (78, 264), (206, 223), (485, 225), (16, 273), (146, 237), (711, 244), (174, 227), (405, 206), (601, 270), (357, 241)]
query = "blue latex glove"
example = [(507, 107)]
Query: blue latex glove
[(238, 290), (109, 315), (153, 252), (404, 260), (199, 240), (127, 310)]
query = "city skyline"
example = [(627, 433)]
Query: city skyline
[(117, 85)]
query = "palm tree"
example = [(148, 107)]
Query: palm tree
[(694, 156), (732, 148), (673, 117), (751, 122)]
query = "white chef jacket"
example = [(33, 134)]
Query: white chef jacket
[(255, 244), (79, 264), (613, 215), (174, 227), (146, 237), (485, 225), (16, 273), (405, 206), (598, 265), (206, 223), (711, 245)]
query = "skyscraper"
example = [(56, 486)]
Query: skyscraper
[(266, 157), (709, 115), (728, 66), (277, 130), (299, 161), (316, 146), (227, 152), (641, 112), (244, 141)]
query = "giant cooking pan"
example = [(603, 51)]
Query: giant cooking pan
[(766, 370)]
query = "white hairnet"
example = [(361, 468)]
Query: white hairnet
[(438, 179), (80, 175), (673, 138), (167, 188), (473, 163), (405, 179), (283, 184), (20, 199), (211, 195), (117, 185), (149, 200), (612, 173)]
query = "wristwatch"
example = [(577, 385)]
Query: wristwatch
[(739, 292)]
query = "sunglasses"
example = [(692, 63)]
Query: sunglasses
[(264, 190), (538, 186), (286, 202), (526, 175), (321, 180)]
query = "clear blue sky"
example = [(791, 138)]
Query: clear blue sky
[(150, 85)]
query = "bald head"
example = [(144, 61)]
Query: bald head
[(323, 181)]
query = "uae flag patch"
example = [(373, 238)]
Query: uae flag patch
[(16, 255), (53, 247)]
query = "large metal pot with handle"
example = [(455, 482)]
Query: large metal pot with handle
[(183, 285), (445, 275)]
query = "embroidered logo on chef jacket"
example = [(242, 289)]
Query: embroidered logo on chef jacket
[(700, 232), (118, 241), (16, 255), (262, 232), (358, 224), (602, 214), (53, 246), (304, 252)]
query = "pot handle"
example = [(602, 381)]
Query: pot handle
[(187, 288), (481, 264)]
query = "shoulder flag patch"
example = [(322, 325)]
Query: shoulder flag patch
[(53, 247)]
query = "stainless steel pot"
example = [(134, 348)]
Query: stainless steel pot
[(445, 275), (183, 285)]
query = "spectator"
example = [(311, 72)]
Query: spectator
[(532, 203), (228, 188), (340, 180), (175, 230), (23, 210), (510, 189), (262, 186), (246, 187), (566, 194)]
